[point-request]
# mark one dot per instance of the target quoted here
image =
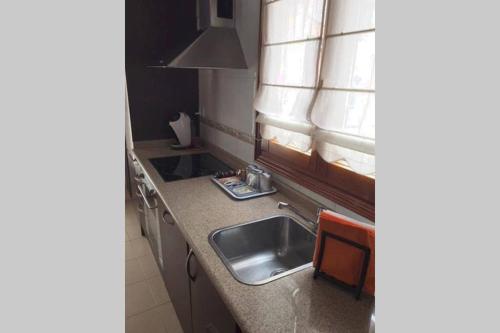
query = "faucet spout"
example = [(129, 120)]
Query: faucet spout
[(314, 224)]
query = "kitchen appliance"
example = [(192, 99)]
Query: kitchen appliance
[(265, 182), (187, 166), (218, 46), (253, 176), (182, 128), (151, 217), (138, 182), (147, 209)]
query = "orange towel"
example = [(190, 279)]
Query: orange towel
[(342, 260)]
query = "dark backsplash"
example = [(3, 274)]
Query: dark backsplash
[(155, 95), (155, 31)]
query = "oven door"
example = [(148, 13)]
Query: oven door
[(152, 222), (140, 206), (138, 181)]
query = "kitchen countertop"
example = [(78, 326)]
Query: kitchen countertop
[(294, 303)]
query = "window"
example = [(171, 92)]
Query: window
[(316, 97)]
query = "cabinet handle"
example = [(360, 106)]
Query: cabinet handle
[(163, 217), (188, 271)]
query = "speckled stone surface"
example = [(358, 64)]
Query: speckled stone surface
[(295, 303)]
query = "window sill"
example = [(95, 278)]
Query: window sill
[(347, 200)]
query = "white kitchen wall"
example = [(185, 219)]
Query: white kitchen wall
[(226, 96)]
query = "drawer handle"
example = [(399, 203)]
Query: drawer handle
[(188, 270), (164, 218)]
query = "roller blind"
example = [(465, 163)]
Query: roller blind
[(318, 78), (291, 37)]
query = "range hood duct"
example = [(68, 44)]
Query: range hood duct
[(218, 46)]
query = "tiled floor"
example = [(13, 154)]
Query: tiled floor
[(147, 305)]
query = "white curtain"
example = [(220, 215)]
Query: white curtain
[(291, 37), (294, 134), (318, 78), (344, 109)]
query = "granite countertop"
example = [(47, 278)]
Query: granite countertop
[(295, 303)]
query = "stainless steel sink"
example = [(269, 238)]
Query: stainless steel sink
[(261, 251)]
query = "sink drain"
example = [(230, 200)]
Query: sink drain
[(277, 271)]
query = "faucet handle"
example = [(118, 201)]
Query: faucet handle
[(282, 204)]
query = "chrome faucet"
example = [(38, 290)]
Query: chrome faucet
[(314, 224)]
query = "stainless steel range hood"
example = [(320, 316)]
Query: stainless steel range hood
[(218, 46)]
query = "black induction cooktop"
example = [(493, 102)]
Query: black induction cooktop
[(187, 166)]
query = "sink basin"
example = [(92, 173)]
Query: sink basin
[(261, 251)]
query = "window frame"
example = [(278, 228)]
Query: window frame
[(345, 187)]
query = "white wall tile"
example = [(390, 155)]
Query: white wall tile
[(227, 98), (238, 148)]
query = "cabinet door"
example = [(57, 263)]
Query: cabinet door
[(209, 313), (174, 250)]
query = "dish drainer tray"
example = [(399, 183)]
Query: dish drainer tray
[(238, 189)]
